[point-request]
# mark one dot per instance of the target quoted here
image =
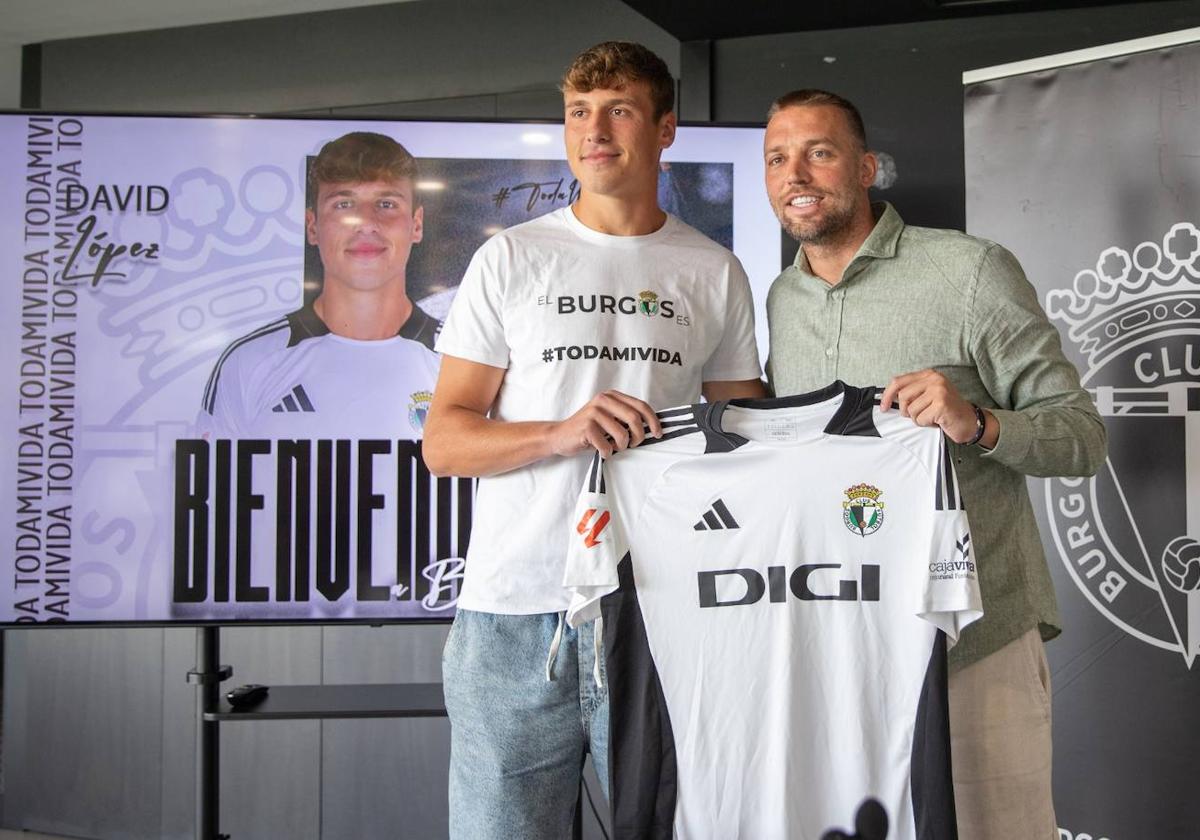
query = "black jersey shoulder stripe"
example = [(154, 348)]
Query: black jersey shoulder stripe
[(675, 422), (681, 424), (676, 418), (939, 489), (210, 389), (421, 327), (947, 495), (671, 435), (954, 494), (596, 474)]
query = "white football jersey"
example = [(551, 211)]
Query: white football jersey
[(778, 580), (293, 378), (361, 529)]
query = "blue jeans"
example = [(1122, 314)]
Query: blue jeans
[(517, 740)]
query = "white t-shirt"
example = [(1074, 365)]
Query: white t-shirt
[(569, 312), (777, 580)]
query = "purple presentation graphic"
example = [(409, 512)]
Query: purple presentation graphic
[(138, 249)]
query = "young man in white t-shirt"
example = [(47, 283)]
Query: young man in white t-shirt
[(567, 333)]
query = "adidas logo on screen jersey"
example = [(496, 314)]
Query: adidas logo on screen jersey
[(295, 401)]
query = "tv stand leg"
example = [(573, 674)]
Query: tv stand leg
[(207, 676)]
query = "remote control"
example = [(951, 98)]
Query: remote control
[(245, 696)]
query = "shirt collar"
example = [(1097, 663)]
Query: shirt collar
[(420, 326), (881, 243)]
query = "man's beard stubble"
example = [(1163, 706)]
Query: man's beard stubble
[(827, 230)]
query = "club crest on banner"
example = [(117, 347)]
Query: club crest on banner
[(1130, 536)]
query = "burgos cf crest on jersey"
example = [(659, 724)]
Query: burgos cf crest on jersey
[(863, 511)]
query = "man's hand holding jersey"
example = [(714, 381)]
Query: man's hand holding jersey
[(460, 438), (928, 398), (612, 420), (609, 422)]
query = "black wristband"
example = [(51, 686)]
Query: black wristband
[(980, 426)]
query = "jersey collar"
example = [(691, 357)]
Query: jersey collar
[(853, 417), (420, 326)]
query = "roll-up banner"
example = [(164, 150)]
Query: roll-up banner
[(184, 439), (1087, 166)]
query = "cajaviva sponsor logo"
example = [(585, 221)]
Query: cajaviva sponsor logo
[(959, 565)]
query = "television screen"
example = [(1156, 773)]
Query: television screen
[(156, 469)]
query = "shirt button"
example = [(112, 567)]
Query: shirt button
[(829, 352)]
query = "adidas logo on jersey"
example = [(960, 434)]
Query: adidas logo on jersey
[(716, 518), (296, 401)]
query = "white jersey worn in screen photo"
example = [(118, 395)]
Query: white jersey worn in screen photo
[(293, 378), (322, 506), (778, 581)]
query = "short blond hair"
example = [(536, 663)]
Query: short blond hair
[(613, 64)]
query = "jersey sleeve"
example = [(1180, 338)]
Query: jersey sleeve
[(597, 544), (222, 410), (474, 327), (950, 599), (736, 356)]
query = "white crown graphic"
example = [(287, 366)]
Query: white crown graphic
[(1130, 295)]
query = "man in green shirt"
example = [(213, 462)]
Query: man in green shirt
[(953, 329)]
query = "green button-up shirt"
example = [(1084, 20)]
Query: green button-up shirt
[(915, 298)]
